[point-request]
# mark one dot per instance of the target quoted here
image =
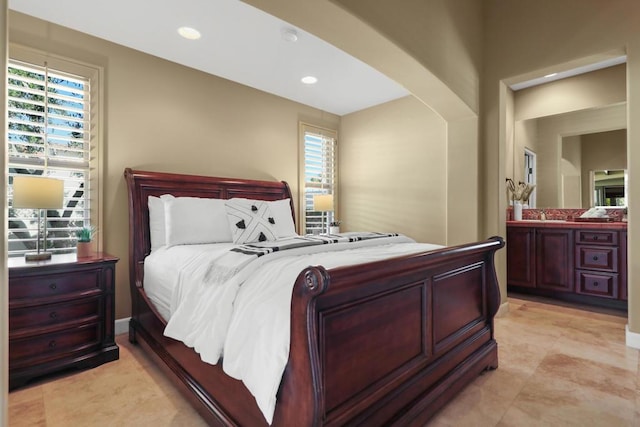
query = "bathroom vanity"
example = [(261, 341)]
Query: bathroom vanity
[(584, 262)]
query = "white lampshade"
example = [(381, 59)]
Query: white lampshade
[(323, 202), (31, 192)]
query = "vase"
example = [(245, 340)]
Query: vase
[(517, 211), (334, 230), (83, 249)]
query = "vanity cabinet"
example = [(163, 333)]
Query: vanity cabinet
[(554, 259), (521, 256), (571, 261), (597, 263)]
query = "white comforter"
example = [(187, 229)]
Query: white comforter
[(246, 317)]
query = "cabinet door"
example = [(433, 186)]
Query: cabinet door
[(521, 257), (554, 267)]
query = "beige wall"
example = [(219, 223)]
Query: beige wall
[(607, 86), (393, 170), (440, 34), (536, 37), (601, 151), (570, 172), (163, 116), (419, 56)]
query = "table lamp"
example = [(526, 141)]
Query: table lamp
[(30, 192), (323, 203)]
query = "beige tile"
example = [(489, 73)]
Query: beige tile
[(557, 402), (571, 391), (558, 366), (26, 407), (600, 351)]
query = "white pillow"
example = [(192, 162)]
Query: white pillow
[(250, 221), (281, 210), (194, 220), (157, 222)]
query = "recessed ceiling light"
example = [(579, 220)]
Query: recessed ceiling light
[(189, 33), (289, 35), (309, 80), (550, 75)]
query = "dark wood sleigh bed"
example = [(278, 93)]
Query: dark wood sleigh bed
[(384, 343)]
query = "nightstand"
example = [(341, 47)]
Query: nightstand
[(61, 315)]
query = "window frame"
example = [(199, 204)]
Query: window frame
[(330, 187), (94, 172)]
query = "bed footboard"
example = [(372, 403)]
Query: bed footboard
[(389, 343)]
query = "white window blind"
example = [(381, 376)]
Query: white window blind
[(49, 134), (319, 176)]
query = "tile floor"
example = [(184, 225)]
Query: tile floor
[(559, 366)]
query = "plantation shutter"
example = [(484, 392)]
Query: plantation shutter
[(320, 175), (49, 134)]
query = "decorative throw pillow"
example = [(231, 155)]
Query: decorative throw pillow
[(250, 221), (281, 210)]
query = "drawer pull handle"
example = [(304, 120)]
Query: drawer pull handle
[(53, 315), (595, 258), (53, 286), (595, 237), (52, 344), (595, 283)]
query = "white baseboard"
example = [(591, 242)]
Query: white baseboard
[(122, 326), (632, 338), (503, 309)]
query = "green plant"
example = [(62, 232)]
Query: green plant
[(85, 234)]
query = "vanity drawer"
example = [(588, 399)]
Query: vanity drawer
[(600, 237), (597, 284), (597, 258)]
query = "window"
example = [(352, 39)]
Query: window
[(319, 176), (51, 127)]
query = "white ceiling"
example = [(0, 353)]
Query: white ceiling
[(239, 43)]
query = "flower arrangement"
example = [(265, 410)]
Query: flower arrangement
[(335, 223), (520, 193)]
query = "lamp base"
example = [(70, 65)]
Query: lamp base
[(37, 256)]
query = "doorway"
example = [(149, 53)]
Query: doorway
[(530, 174)]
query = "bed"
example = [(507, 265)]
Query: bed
[(387, 342)]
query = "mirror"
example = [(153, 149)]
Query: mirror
[(568, 148), (609, 188), (572, 127)]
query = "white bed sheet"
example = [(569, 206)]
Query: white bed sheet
[(247, 317), (166, 266)]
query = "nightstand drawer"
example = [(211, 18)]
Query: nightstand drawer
[(597, 284), (599, 237), (52, 285), (41, 348), (47, 316), (597, 258)]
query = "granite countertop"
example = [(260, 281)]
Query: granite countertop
[(568, 224)]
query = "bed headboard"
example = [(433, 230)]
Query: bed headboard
[(142, 184)]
